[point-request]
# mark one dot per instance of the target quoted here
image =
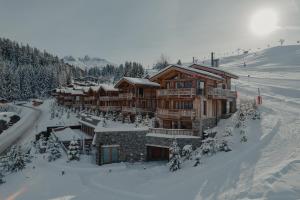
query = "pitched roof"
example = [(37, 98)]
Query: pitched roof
[(138, 81), (211, 69), (189, 69), (107, 87)]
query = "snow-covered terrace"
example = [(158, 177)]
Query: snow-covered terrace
[(68, 134)]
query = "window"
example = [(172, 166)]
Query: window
[(187, 105), (141, 92), (186, 84), (200, 87), (204, 108)]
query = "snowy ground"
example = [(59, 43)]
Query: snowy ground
[(267, 166)]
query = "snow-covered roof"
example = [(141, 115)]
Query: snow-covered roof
[(198, 71), (67, 134), (108, 87), (214, 69), (112, 126), (138, 81)]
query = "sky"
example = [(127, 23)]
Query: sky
[(142, 30)]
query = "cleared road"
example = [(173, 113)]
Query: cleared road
[(21, 129)]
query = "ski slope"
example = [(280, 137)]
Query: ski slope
[(267, 166)]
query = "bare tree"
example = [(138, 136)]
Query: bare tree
[(162, 62)]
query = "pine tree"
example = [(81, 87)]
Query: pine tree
[(73, 150), (175, 159), (53, 149), (15, 159), (187, 151)]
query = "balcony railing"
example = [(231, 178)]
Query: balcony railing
[(176, 92), (109, 98), (221, 93), (176, 113), (134, 109), (172, 131), (110, 108), (90, 98), (125, 95)]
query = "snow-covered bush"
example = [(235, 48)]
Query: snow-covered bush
[(73, 150), (197, 160), (42, 144), (223, 146), (187, 151), (138, 119), (127, 119), (175, 159), (53, 149), (209, 146), (146, 121), (120, 117)]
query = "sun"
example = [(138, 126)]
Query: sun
[(264, 22)]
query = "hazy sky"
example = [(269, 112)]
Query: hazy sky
[(141, 30)]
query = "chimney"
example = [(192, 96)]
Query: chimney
[(212, 59), (193, 60)]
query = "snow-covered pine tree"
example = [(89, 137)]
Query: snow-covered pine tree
[(187, 151), (53, 149), (175, 159), (73, 150), (15, 159)]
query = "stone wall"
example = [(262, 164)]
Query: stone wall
[(209, 123), (132, 143), (166, 142)]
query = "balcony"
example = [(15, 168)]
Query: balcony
[(176, 92), (110, 108), (176, 113), (219, 93), (125, 95), (109, 98), (134, 109), (90, 98), (188, 132)]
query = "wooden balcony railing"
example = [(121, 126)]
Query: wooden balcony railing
[(90, 98), (134, 109), (172, 131), (221, 93), (110, 108), (125, 95), (176, 92), (176, 113), (109, 98)]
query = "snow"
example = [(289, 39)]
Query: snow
[(139, 81), (265, 167), (112, 126), (189, 69), (6, 116), (67, 134), (171, 136)]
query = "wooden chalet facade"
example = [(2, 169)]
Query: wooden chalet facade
[(108, 99), (137, 95), (184, 99), (191, 99)]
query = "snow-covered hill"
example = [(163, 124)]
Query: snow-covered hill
[(86, 62)]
